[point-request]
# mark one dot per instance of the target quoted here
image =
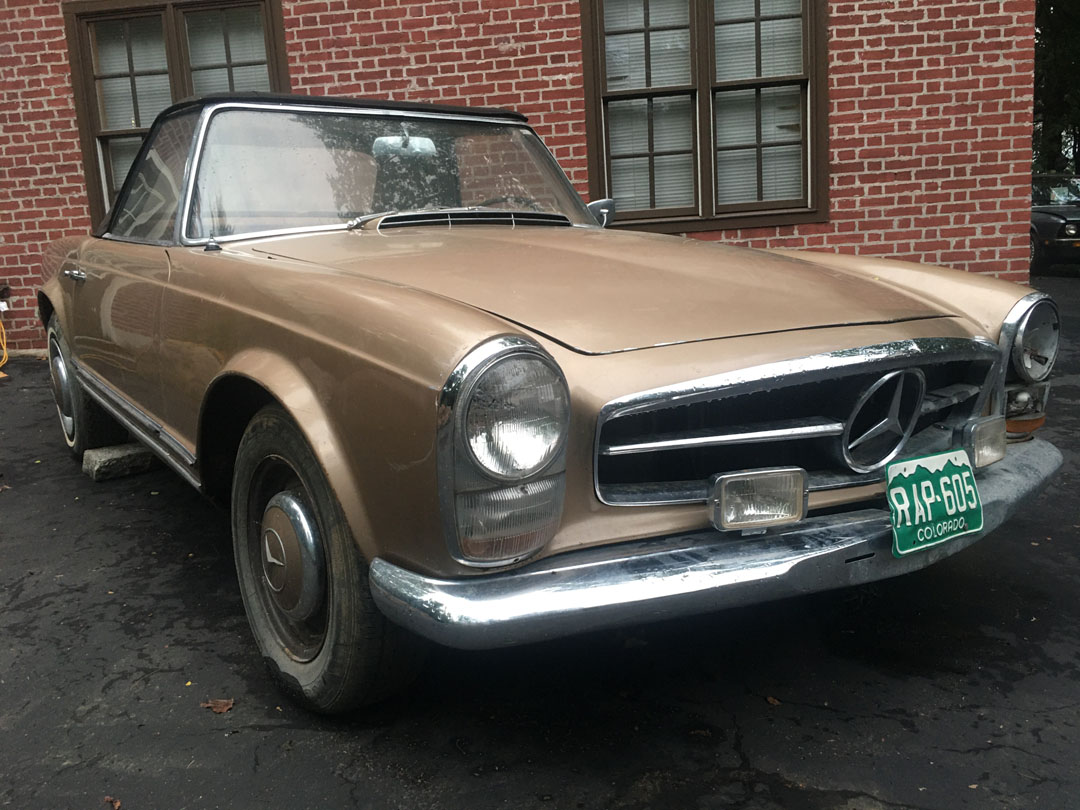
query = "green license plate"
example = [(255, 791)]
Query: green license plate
[(932, 499)]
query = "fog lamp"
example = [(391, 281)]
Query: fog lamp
[(985, 440), (757, 499)]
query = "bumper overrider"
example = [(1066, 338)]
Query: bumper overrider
[(684, 574)]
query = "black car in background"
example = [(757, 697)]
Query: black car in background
[(1055, 219)]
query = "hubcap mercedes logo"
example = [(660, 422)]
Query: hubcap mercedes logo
[(883, 420), (273, 560)]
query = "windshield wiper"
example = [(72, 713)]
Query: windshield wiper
[(358, 222)]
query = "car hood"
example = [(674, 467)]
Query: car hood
[(599, 291)]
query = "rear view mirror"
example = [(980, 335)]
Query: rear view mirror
[(403, 145), (603, 211)]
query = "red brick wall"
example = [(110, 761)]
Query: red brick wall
[(930, 135), (930, 115), (42, 192), (524, 54)]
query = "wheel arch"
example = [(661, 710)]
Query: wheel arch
[(45, 308), (249, 383)]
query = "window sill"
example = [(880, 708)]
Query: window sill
[(772, 219)]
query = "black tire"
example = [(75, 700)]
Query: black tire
[(327, 643), (83, 423), (1037, 255)]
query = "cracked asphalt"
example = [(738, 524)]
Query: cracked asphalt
[(956, 687)]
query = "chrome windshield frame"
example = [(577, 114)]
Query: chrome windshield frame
[(315, 109)]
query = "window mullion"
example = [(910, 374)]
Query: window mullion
[(176, 53), (652, 151), (228, 52), (705, 74), (137, 119)]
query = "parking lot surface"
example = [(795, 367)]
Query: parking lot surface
[(956, 687)]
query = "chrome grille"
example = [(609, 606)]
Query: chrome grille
[(664, 446)]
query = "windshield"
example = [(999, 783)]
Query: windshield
[(1055, 191), (266, 170)]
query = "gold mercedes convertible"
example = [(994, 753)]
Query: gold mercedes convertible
[(443, 401)]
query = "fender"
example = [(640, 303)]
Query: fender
[(294, 391)]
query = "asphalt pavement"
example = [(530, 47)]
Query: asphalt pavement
[(956, 687)]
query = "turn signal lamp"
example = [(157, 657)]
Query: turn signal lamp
[(758, 499)]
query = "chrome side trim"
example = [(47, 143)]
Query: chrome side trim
[(680, 575), (882, 356), (210, 110), (145, 429), (765, 432)]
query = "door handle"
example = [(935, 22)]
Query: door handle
[(75, 273)]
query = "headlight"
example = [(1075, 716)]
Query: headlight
[(1071, 229), (504, 420), (516, 416), (1036, 345)]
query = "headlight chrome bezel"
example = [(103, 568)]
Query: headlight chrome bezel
[(466, 402), (1017, 352), (461, 475)]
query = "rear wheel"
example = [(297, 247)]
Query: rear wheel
[(303, 580), (84, 424)]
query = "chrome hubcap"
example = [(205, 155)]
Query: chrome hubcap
[(292, 558), (61, 386)]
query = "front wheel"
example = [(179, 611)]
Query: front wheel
[(84, 423), (303, 580)]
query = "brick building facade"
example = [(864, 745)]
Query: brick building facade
[(927, 106)]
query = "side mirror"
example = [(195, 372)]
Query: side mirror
[(603, 212)]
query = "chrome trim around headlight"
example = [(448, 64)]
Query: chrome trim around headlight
[(1007, 337), (455, 394), (1017, 353)]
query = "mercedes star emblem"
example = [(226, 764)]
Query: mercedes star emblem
[(883, 420)]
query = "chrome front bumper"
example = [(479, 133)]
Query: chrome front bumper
[(659, 578)]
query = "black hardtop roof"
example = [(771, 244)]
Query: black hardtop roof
[(343, 101)]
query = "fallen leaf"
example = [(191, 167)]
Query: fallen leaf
[(113, 803), (772, 701), (3, 487), (188, 683), (973, 787), (218, 705)]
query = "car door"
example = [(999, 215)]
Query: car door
[(122, 275), (117, 308)]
